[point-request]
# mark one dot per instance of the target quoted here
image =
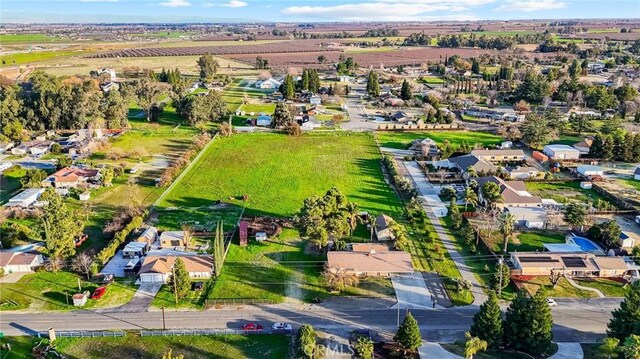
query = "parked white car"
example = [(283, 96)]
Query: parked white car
[(551, 302), (281, 326)]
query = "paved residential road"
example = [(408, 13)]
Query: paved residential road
[(575, 320)]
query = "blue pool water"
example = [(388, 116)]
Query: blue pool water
[(586, 244)]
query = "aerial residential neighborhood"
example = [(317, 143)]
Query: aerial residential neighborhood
[(351, 179)]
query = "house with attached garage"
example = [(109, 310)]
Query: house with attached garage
[(33, 148), (514, 193), (569, 264), (372, 260), (268, 84), (466, 162), (20, 262), (71, 177), (157, 268)]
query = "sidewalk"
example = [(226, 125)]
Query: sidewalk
[(434, 350), (576, 285), (426, 197)]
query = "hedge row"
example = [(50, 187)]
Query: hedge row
[(110, 250)]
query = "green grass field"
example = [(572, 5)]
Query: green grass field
[(256, 108), (28, 38), (402, 140), (133, 346), (278, 172), (27, 57), (46, 291), (10, 183), (234, 93), (533, 241), (563, 192)]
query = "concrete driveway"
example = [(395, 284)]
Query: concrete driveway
[(411, 291), (116, 265), (141, 299)]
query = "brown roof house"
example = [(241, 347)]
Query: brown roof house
[(20, 262), (369, 260), (514, 193), (499, 155), (570, 264), (383, 229), (71, 177), (157, 268)]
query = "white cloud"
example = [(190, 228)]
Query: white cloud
[(175, 3), (530, 5), (396, 10), (235, 4), (231, 3)]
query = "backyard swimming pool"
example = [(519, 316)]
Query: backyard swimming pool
[(587, 245)]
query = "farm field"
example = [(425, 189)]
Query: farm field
[(45, 291), (235, 92), (131, 346), (36, 56), (28, 38), (278, 172), (402, 140)]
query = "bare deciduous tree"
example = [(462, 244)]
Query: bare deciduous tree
[(83, 263)]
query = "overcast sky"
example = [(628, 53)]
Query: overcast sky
[(308, 10)]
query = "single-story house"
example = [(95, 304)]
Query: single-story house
[(135, 249), (570, 264), (464, 162), (636, 174), (20, 262), (514, 193), (530, 217), (383, 229), (158, 268), (173, 239), (345, 78), (561, 152), (149, 235), (71, 177), (263, 120), (369, 263), (584, 146), (268, 84), (25, 198), (400, 117), (499, 155), (588, 170), (523, 172), (34, 148)]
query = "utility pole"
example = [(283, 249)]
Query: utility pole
[(164, 325), (79, 287), (500, 261)]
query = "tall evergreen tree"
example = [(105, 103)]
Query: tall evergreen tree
[(179, 280), (282, 115), (626, 319), (288, 88), (487, 322), (475, 66), (454, 214), (405, 91), (60, 226), (305, 80), (408, 335), (373, 86), (528, 324)]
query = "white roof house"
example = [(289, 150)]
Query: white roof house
[(263, 120), (588, 170), (25, 198), (561, 152), (530, 217), (269, 83)]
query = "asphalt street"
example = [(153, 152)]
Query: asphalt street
[(575, 320)]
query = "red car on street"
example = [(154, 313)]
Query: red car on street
[(252, 327), (99, 292)]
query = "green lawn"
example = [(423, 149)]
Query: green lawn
[(133, 346), (267, 108), (402, 140), (45, 291), (568, 139), (562, 290), (533, 241), (432, 80), (564, 192), (608, 287), (277, 172), (28, 38), (10, 183)]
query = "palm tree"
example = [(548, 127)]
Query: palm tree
[(473, 345), (352, 209), (472, 172), (470, 197), (372, 226), (507, 225)]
